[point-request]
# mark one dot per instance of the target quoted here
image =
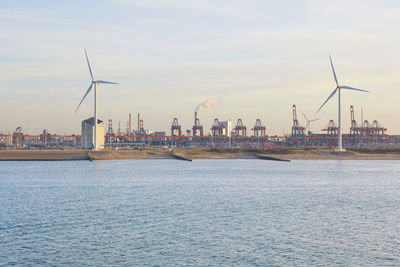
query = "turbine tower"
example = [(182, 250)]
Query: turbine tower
[(308, 126), (93, 84), (338, 89)]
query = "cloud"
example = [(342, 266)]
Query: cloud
[(204, 6), (28, 17)]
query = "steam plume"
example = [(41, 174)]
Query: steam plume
[(208, 103)]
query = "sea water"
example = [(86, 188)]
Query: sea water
[(205, 212)]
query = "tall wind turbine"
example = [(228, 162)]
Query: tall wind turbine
[(308, 126), (338, 89), (93, 84)]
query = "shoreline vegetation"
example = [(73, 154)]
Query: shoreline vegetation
[(284, 154)]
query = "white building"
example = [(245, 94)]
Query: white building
[(88, 133), (227, 127)]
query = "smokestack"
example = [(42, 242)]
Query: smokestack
[(130, 124), (195, 118), (362, 115), (138, 122)]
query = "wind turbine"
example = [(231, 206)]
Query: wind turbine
[(308, 126), (93, 84), (338, 89)]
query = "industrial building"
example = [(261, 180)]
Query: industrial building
[(88, 133), (227, 127)]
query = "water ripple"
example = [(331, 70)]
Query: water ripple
[(206, 212)]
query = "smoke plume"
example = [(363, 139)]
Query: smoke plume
[(208, 103)]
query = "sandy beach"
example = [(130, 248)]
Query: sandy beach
[(21, 155)]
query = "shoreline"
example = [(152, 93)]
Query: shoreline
[(185, 154)]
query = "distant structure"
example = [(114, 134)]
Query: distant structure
[(141, 130), (240, 129), (129, 128), (18, 137), (377, 129), (9, 140), (259, 129), (354, 128), (45, 137), (331, 129), (227, 127), (297, 130), (366, 129), (197, 127), (308, 125), (176, 128), (88, 133), (217, 129), (138, 124), (110, 132), (160, 137)]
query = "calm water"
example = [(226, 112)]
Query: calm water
[(205, 212)]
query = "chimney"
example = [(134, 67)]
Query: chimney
[(130, 124), (138, 123)]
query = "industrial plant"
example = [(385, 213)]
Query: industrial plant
[(221, 134)]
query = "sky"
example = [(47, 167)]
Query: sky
[(259, 57)]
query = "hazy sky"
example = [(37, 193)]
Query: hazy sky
[(258, 56)]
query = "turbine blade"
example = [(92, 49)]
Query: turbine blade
[(90, 70), (333, 69), (87, 92), (100, 81), (314, 120), (351, 88), (329, 97), (304, 115)]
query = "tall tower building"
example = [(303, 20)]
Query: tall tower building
[(88, 133), (227, 125)]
